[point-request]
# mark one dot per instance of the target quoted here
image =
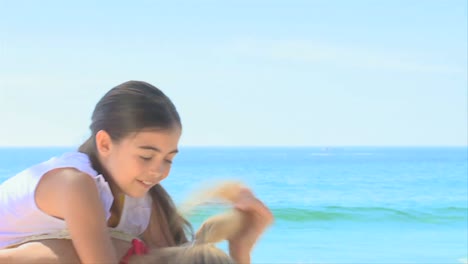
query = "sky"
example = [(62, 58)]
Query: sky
[(242, 73)]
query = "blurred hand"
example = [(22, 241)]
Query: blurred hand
[(257, 218)]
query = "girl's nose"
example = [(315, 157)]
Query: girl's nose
[(156, 171)]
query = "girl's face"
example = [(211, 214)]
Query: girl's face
[(139, 161)]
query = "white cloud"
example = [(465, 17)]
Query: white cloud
[(316, 52)]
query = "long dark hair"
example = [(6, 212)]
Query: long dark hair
[(131, 107)]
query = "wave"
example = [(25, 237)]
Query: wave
[(360, 214)]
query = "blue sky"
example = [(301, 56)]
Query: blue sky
[(296, 73)]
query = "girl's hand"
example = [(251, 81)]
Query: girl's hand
[(257, 217)]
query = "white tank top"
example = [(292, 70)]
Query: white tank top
[(21, 219)]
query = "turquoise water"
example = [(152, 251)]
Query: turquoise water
[(332, 205)]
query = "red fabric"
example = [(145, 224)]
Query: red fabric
[(138, 248)]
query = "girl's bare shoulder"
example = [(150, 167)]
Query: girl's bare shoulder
[(57, 186)]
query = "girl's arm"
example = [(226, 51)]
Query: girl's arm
[(73, 196)]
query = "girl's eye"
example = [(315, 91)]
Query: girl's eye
[(169, 161), (146, 158)]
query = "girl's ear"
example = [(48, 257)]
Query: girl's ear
[(103, 143)]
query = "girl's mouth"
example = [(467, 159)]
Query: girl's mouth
[(145, 184)]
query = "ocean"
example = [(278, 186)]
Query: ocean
[(331, 205)]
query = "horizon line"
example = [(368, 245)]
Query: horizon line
[(249, 146)]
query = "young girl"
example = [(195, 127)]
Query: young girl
[(111, 185)]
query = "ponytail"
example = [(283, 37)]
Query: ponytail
[(172, 225)]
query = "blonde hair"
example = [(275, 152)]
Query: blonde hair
[(215, 229), (199, 254)]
